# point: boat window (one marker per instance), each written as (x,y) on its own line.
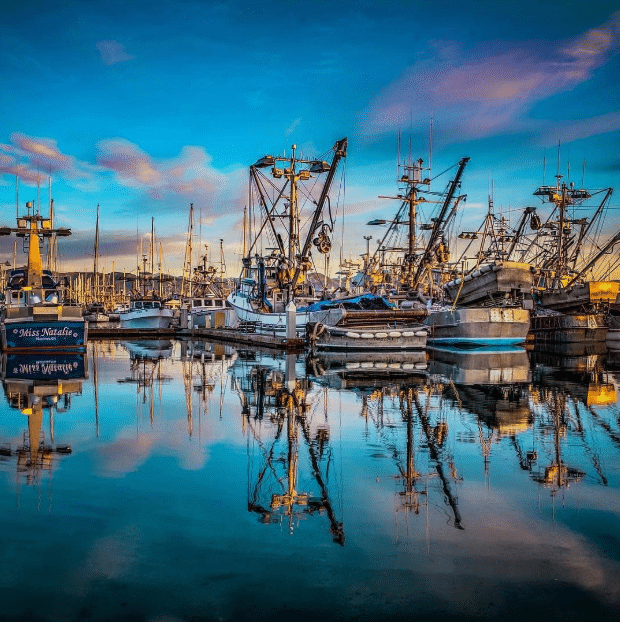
(208,303)
(138,305)
(197,302)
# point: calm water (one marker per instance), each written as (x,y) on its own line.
(169,481)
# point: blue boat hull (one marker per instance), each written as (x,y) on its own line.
(28,335)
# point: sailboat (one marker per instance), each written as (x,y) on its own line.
(34,316)
(95,310)
(147,310)
(274,277)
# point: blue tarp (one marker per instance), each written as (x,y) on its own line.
(364,302)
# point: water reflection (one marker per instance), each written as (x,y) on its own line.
(38,384)
(281,422)
(423,471)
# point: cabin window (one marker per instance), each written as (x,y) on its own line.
(208,303)
(198,302)
(138,305)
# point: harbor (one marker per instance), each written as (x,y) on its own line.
(309,311)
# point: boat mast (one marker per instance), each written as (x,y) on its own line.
(293,217)
(439,223)
(96,258)
(340,151)
(187,262)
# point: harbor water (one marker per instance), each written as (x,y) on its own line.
(171,480)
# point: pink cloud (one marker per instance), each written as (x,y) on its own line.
(134,167)
(485,92)
(33,158)
(113,52)
(189,175)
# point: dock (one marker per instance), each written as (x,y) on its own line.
(229,335)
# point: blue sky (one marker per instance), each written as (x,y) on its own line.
(146,107)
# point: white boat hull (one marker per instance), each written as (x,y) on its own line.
(368,338)
(147,319)
(266,322)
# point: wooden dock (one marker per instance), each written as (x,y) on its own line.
(229,335)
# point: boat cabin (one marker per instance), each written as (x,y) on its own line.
(18,294)
(145,304)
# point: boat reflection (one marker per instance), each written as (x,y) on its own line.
(480,366)
(34,384)
(349,370)
(289,447)
(568,386)
(205,368)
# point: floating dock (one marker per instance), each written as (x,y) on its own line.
(231,335)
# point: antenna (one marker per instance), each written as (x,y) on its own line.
(583,173)
(398,156)
(430,149)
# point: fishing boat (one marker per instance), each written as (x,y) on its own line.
(204,291)
(272,282)
(478,325)
(491,299)
(495,277)
(95,313)
(415,273)
(34,315)
(367,337)
(147,309)
(570,307)
(146,312)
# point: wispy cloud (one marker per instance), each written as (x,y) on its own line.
(189,175)
(31,158)
(293,126)
(485,92)
(113,52)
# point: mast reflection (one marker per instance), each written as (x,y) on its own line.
(569,383)
(36,383)
(282,424)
